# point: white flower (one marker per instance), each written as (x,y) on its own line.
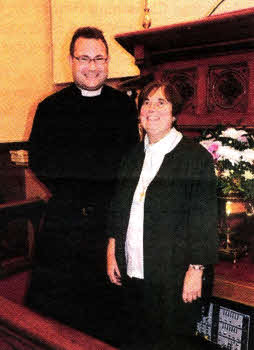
(233,133)
(240,172)
(226,173)
(248,155)
(229,153)
(248,175)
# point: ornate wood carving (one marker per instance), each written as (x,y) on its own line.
(228,88)
(185,81)
(210,60)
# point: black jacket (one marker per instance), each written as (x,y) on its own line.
(180,213)
(77,142)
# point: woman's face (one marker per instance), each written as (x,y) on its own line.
(156,115)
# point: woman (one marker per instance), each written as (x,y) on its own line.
(162,224)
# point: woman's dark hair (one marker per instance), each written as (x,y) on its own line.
(87,33)
(171,93)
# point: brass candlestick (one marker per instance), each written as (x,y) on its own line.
(147,17)
(232,221)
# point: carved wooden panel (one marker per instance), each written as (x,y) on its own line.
(228,88)
(185,81)
(210,60)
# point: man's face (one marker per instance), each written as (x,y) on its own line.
(89,75)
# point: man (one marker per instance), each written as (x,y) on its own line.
(77,141)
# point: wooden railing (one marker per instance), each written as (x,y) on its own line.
(19,221)
(23,329)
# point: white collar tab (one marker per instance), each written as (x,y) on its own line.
(89,93)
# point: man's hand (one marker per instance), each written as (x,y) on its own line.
(192,285)
(112,267)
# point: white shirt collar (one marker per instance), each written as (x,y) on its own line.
(166,144)
(89,93)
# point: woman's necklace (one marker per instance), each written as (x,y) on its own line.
(152,163)
(142,195)
(145,179)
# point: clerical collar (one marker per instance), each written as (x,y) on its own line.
(89,93)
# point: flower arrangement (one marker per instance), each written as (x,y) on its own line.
(233,154)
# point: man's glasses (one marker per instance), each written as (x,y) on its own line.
(85,60)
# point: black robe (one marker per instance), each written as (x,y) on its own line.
(76,146)
(180,219)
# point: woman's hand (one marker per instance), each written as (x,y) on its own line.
(112,267)
(192,285)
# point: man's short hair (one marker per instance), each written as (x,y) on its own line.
(87,33)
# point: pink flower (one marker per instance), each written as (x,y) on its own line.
(242,138)
(213,150)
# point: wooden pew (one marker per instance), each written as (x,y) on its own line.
(39,332)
